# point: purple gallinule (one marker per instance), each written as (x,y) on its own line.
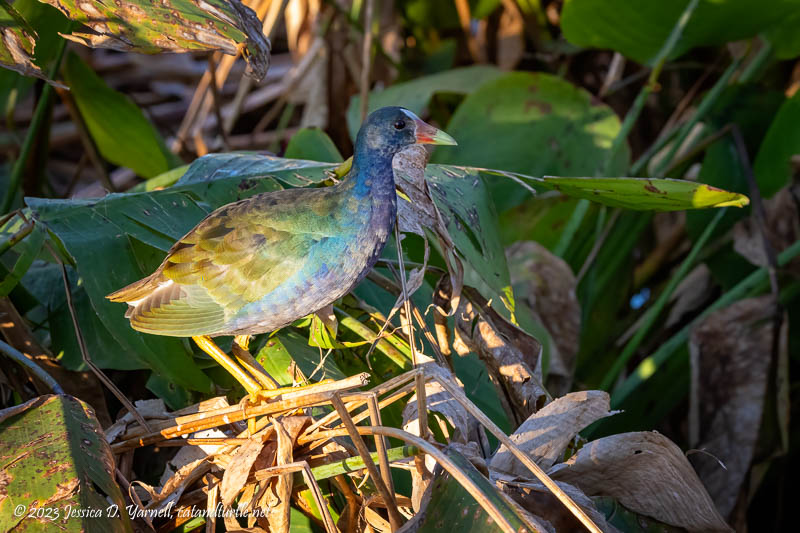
(258,264)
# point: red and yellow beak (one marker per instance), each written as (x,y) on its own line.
(427,134)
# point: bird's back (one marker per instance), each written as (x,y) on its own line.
(261,263)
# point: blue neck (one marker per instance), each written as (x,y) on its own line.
(372,173)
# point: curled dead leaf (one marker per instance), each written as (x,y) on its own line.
(647,473)
(782,220)
(512,357)
(546,283)
(731,354)
(536,499)
(546,434)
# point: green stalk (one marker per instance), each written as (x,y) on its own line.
(354,464)
(653,313)
(34,369)
(39,118)
(574,222)
(755,283)
(705,106)
(627,125)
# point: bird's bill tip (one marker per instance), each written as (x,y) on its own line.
(427,134)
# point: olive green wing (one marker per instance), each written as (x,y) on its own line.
(235,256)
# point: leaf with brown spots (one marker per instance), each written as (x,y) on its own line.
(171,26)
(53,456)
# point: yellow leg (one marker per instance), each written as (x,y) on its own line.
(241,344)
(207,345)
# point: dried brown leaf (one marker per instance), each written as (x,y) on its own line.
(237,472)
(418,210)
(537,499)
(280,494)
(512,357)
(438,400)
(782,228)
(731,354)
(647,473)
(546,283)
(690,294)
(546,434)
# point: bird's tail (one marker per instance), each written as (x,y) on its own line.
(136,290)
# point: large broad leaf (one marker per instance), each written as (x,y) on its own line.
(53,461)
(535,124)
(122,133)
(415,95)
(170,25)
(785,38)
(313,144)
(772,164)
(639,28)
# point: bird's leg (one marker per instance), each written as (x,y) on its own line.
(209,346)
(241,344)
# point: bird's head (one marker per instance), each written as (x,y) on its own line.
(390,129)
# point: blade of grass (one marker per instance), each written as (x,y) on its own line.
(33,133)
(755,283)
(627,125)
(655,311)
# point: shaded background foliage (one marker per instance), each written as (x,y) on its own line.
(688,320)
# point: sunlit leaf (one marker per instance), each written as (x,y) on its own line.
(536,124)
(56,459)
(415,95)
(122,133)
(170,25)
(646,194)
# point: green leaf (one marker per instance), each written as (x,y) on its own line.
(54,458)
(639,28)
(451,504)
(469,214)
(416,94)
(535,124)
(772,164)
(33,245)
(286,346)
(170,25)
(785,38)
(122,133)
(313,144)
(645,194)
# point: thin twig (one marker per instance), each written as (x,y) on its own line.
(598,244)
(216,101)
(366,58)
(447,464)
(526,460)
(406,302)
(380,442)
(85,352)
(395,519)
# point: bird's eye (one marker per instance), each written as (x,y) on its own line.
(400,124)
